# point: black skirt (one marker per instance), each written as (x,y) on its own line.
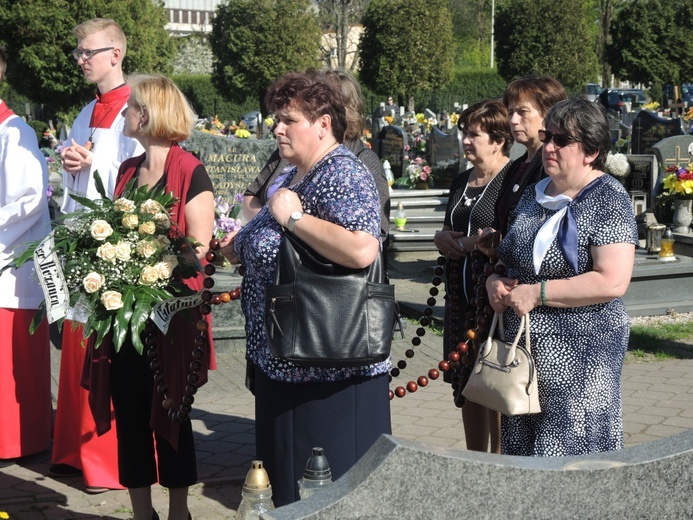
(345,418)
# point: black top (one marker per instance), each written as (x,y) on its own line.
(200,182)
(518,177)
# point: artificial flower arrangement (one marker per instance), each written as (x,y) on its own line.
(113,261)
(242,133)
(688,116)
(418,171)
(617,165)
(226,215)
(653,106)
(454,118)
(678,183)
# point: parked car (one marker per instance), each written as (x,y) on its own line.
(616,98)
(251,120)
(592,91)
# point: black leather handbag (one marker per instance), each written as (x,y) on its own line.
(322,314)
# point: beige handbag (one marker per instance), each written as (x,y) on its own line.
(504,377)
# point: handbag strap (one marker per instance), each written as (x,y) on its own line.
(524,326)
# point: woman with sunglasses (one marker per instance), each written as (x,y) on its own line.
(569,255)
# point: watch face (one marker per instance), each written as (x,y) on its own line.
(296,215)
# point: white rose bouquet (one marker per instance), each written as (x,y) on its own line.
(118,259)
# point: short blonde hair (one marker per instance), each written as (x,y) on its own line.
(170,115)
(113,31)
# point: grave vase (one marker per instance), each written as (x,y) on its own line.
(421,185)
(682,216)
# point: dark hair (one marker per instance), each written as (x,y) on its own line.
(542,91)
(491,116)
(3,61)
(311,93)
(586,121)
(347,85)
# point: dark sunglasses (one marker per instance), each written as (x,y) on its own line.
(560,140)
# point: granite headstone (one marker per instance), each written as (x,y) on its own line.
(643,174)
(446,155)
(392,143)
(648,129)
(231,163)
(671,152)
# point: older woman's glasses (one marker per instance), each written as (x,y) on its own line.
(87,54)
(559,140)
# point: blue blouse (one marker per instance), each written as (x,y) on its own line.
(343,192)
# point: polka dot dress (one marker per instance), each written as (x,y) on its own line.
(578,351)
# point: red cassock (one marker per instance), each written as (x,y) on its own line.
(75,441)
(25,385)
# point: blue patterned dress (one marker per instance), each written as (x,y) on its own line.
(578,351)
(341,193)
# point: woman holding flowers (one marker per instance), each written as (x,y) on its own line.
(159,116)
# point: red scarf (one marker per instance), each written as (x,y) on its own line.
(5,112)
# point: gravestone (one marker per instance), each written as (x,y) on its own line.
(406,479)
(231,163)
(648,129)
(643,175)
(445,155)
(392,142)
(671,152)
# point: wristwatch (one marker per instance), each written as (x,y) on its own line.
(295,217)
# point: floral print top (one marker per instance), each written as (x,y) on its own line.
(341,191)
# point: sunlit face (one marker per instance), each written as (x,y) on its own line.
(477,144)
(564,160)
(100,65)
(525,122)
(297,137)
(134,115)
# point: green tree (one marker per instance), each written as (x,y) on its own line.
(547,37)
(38,37)
(406,47)
(338,17)
(650,43)
(256,41)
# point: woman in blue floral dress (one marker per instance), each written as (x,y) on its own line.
(569,257)
(330,201)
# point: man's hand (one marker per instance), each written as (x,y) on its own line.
(76,157)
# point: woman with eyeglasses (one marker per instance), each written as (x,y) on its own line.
(568,258)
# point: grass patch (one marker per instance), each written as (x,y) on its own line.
(658,341)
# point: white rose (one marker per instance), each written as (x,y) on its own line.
(166,266)
(93,282)
(163,241)
(112,300)
(124,205)
(149,275)
(151,206)
(163,270)
(123,251)
(147,228)
(130,221)
(101,230)
(162,220)
(146,248)
(107,252)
